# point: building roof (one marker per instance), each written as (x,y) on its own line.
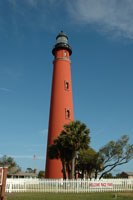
(17,172)
(128,173)
(13,170)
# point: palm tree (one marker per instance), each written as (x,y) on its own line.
(58,150)
(74,136)
(77,137)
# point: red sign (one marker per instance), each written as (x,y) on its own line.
(97,185)
(1,175)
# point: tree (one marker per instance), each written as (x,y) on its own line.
(110,156)
(87,161)
(41,174)
(109,175)
(59,150)
(74,136)
(114,154)
(77,137)
(8,161)
(29,170)
(118,175)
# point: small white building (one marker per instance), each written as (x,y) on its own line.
(16,173)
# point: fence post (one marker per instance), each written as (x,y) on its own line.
(3,187)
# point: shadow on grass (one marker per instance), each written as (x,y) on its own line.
(72,196)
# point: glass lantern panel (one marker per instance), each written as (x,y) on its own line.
(62,40)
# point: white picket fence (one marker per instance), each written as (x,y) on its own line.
(46,185)
(75,186)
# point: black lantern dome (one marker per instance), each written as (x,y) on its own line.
(62,43)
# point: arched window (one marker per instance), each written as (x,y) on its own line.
(66,83)
(67,113)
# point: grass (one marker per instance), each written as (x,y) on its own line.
(66,196)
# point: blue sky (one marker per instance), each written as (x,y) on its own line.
(101,35)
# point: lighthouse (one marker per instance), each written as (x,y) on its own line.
(61,107)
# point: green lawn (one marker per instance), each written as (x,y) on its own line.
(85,196)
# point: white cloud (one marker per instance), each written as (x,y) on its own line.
(33,14)
(113,17)
(30,2)
(110,15)
(34,3)
(35,145)
(25,157)
(98,132)
(44,131)
(5,89)
(13,2)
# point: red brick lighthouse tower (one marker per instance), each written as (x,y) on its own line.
(61,108)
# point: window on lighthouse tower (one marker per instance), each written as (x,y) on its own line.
(67,113)
(65,54)
(66,84)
